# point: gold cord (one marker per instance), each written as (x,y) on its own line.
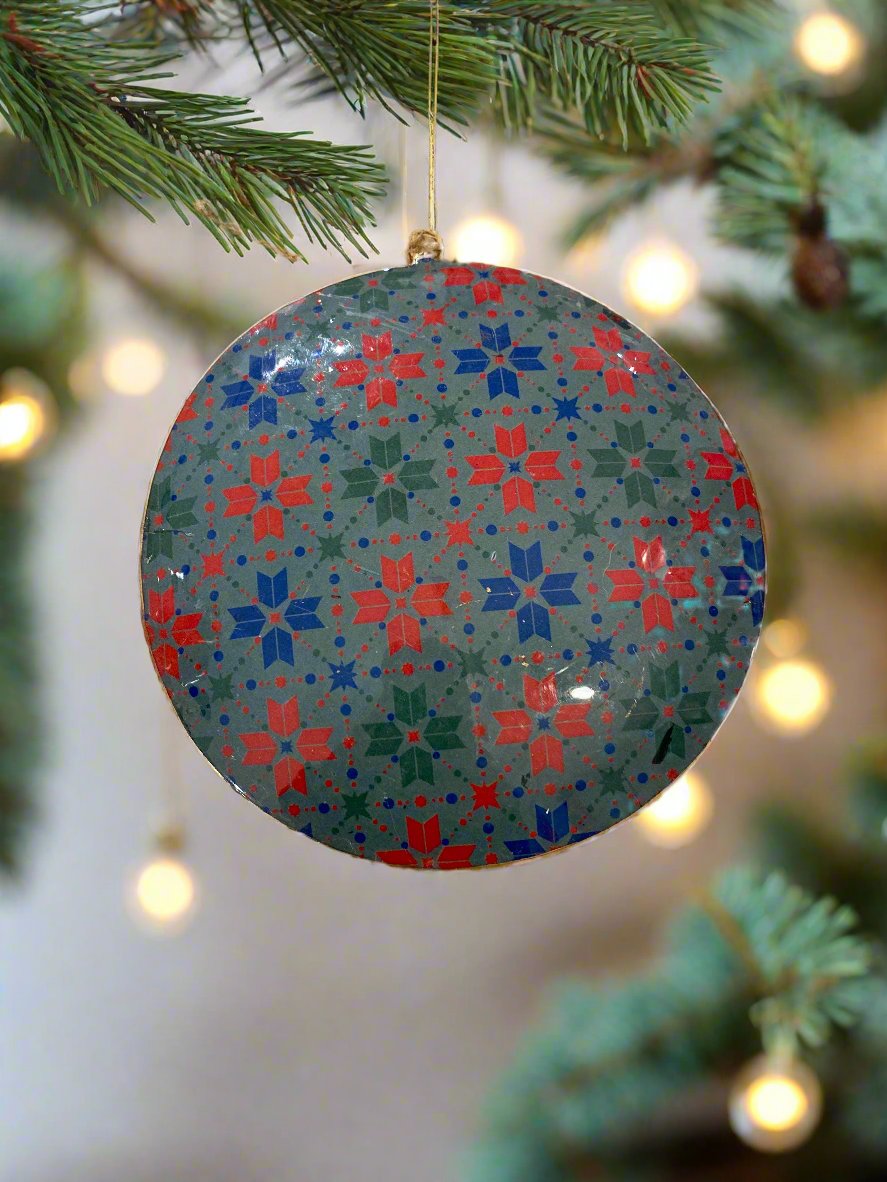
(427,243)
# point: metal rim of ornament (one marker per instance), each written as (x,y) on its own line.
(614,317)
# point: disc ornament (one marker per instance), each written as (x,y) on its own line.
(449,566)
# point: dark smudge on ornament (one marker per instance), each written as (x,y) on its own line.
(450,566)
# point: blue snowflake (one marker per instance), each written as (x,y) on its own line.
(502,378)
(263,371)
(503,594)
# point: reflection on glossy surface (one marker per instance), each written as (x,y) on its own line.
(450,566)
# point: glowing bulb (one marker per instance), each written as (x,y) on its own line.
(678,814)
(660,279)
(784,638)
(775,1104)
(487,239)
(828,44)
(165,893)
(133,367)
(791,697)
(21,425)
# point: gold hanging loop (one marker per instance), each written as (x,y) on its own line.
(427,243)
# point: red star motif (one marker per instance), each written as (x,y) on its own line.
(383,388)
(484,289)
(629,584)
(268,519)
(623,363)
(374,606)
(184,632)
(720,467)
(569,720)
(485,796)
(700,521)
(312,744)
(517,491)
(458,532)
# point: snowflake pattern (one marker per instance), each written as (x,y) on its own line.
(450,566)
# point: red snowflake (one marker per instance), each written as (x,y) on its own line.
(517,490)
(388,369)
(184,631)
(619,365)
(644,584)
(376,605)
(546,749)
(268,518)
(311,744)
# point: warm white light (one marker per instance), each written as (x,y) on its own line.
(487,239)
(22,423)
(133,367)
(784,638)
(84,379)
(678,814)
(775,1106)
(165,893)
(660,279)
(792,696)
(828,44)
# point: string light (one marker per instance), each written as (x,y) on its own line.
(487,239)
(829,44)
(792,696)
(775,1104)
(133,367)
(25,403)
(164,893)
(678,814)
(660,279)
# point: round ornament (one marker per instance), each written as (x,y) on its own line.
(448,566)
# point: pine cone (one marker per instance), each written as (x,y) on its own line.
(820,268)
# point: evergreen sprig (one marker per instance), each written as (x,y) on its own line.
(606,1059)
(618,67)
(88,108)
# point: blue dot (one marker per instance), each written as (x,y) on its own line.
(340,642)
(218,656)
(323,807)
(224,719)
(689,645)
(345,709)
(192,689)
(491,530)
(616,522)
(518,792)
(632,649)
(553,526)
(251,684)
(505,660)
(387,803)
(359,837)
(241,560)
(581,785)
(468,629)
(439,666)
(610,748)
(712,611)
(489,827)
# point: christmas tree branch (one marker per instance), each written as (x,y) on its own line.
(617,66)
(196,152)
(608,1056)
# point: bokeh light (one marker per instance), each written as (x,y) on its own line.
(829,44)
(678,814)
(133,367)
(165,893)
(775,1106)
(487,239)
(660,278)
(791,697)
